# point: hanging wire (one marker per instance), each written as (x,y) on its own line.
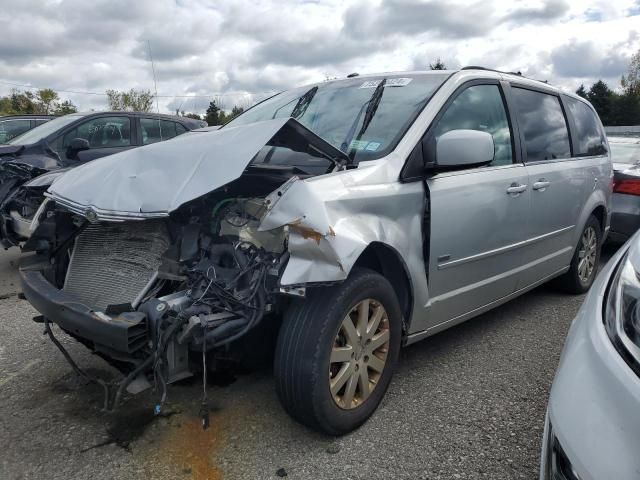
(79,92)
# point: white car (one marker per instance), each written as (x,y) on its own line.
(592,427)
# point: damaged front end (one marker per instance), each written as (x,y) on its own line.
(161,281)
(17,203)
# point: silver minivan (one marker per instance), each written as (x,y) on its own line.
(345,219)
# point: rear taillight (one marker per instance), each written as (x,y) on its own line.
(628,186)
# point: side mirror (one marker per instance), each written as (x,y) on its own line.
(77,145)
(462,148)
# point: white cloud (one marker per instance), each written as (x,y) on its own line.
(241,50)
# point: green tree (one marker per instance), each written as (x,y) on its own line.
(131,101)
(212,115)
(22,102)
(631,81)
(581,91)
(65,108)
(602,99)
(438,65)
(625,110)
(235,111)
(195,116)
(46,101)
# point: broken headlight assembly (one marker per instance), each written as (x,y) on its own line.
(622,313)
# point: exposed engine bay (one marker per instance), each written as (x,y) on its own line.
(166,297)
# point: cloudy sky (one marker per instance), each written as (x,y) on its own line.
(242,50)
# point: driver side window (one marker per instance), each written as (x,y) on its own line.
(480,107)
(102,132)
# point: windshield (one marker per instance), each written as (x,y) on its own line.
(44,130)
(335,110)
(625,152)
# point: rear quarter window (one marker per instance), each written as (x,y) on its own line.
(542,120)
(589,136)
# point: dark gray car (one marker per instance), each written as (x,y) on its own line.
(625,202)
(31,161)
(13,125)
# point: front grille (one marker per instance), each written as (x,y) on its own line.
(111,264)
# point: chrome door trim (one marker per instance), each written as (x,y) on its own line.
(507,248)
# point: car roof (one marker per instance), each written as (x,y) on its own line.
(210,128)
(191,122)
(481,72)
(26,115)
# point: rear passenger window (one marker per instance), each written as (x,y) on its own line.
(540,116)
(480,107)
(155,130)
(590,139)
(10,129)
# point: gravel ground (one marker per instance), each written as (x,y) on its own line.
(468,403)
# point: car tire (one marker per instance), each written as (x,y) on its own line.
(586,255)
(326,359)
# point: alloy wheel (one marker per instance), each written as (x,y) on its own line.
(587,254)
(359,354)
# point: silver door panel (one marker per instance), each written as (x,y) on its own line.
(477,233)
(556,206)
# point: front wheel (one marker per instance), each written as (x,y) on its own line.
(584,264)
(337,351)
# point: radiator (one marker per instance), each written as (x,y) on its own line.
(113,263)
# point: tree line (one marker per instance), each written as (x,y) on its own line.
(47,102)
(617,108)
(43,102)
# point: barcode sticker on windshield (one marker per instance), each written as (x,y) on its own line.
(398,82)
(391,82)
(358,145)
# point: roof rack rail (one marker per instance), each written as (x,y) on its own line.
(475,67)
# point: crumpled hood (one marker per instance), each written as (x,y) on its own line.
(38,156)
(10,149)
(159,178)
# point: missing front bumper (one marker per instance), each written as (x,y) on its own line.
(125,333)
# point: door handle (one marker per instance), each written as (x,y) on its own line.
(541,184)
(516,188)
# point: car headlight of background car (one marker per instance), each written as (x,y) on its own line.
(622,312)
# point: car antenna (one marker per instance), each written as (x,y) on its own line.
(153,70)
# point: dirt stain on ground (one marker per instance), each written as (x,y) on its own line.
(186,448)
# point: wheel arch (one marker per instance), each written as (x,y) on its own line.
(595,205)
(600,212)
(385,260)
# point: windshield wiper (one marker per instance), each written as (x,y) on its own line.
(303,103)
(372,107)
(305,98)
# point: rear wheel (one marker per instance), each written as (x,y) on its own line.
(337,351)
(584,264)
